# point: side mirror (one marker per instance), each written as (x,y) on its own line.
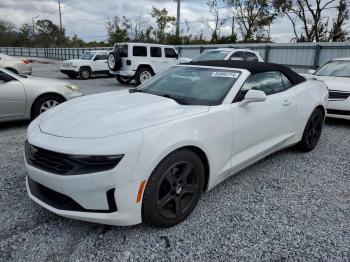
(311,71)
(253,96)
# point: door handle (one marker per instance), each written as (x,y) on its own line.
(286,102)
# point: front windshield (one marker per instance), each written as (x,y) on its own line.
(335,68)
(192,85)
(211,55)
(87,56)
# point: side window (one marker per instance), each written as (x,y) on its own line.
(5,77)
(268,82)
(237,56)
(287,84)
(170,53)
(102,56)
(249,56)
(156,52)
(139,51)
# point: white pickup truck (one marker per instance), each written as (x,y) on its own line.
(90,63)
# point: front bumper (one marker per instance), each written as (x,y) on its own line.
(129,73)
(90,193)
(68,71)
(339,109)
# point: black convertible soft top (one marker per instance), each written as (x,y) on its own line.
(253,68)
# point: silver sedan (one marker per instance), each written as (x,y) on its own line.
(25,97)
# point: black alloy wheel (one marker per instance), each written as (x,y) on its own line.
(173,190)
(312,132)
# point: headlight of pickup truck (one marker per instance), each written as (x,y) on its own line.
(73,88)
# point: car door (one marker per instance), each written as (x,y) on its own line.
(100,62)
(156,58)
(12,97)
(261,127)
(170,58)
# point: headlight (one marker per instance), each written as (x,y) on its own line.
(73,88)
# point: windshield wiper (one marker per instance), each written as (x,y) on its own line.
(178,100)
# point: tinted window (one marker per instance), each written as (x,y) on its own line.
(87,56)
(287,84)
(251,57)
(211,55)
(101,57)
(170,53)
(194,85)
(335,68)
(139,51)
(122,50)
(238,56)
(5,77)
(156,52)
(268,82)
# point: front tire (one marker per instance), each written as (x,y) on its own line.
(85,73)
(312,131)
(44,103)
(173,189)
(142,75)
(124,80)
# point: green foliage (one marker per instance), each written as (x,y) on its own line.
(164,21)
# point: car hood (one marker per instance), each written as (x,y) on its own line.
(112,113)
(35,80)
(74,61)
(334,83)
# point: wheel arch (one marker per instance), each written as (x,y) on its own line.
(85,66)
(11,69)
(323,109)
(43,95)
(146,66)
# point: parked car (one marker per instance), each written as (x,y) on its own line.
(25,97)
(141,61)
(148,154)
(90,63)
(15,65)
(335,73)
(229,54)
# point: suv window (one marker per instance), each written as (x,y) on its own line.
(268,82)
(102,56)
(139,51)
(156,51)
(249,56)
(122,50)
(170,53)
(237,56)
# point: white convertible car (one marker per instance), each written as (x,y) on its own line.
(147,155)
(335,74)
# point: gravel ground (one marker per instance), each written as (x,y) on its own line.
(289,207)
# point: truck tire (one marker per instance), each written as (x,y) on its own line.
(114,61)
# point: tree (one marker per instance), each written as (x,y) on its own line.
(218,23)
(49,34)
(163,22)
(315,24)
(117,29)
(252,16)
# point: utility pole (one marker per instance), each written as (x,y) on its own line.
(178,18)
(233,26)
(59,10)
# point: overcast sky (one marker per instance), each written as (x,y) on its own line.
(87,18)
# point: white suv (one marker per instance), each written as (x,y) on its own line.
(141,61)
(229,54)
(90,63)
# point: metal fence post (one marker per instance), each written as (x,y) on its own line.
(267,52)
(316,56)
(179,51)
(201,48)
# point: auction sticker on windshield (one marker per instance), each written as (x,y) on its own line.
(225,74)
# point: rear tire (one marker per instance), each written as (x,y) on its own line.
(85,73)
(44,103)
(312,131)
(173,189)
(124,80)
(142,75)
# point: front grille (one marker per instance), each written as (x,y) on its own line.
(48,160)
(63,202)
(338,95)
(64,164)
(338,112)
